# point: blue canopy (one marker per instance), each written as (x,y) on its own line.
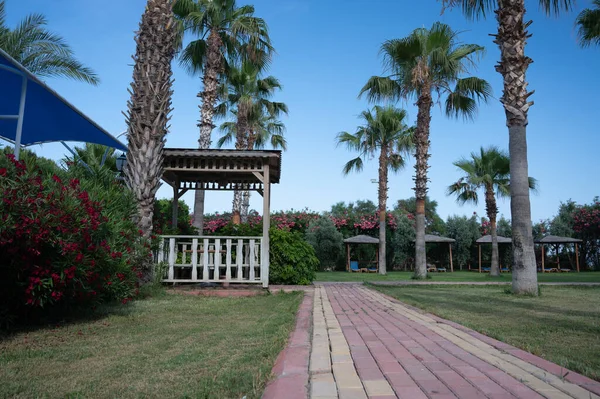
(28,106)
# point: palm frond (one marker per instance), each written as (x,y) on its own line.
(380,88)
(355,164)
(588,25)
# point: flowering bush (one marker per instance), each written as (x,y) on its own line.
(66,239)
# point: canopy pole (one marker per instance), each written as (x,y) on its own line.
(20,118)
(479,258)
(577,256)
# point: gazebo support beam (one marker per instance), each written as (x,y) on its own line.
(451,264)
(479,258)
(266,226)
(577,256)
(347,257)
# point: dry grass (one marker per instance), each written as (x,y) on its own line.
(161,347)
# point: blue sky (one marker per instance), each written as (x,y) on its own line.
(326,52)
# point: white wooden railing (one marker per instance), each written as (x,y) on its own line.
(193,259)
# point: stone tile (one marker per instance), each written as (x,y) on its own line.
(322,385)
(352,393)
(378,387)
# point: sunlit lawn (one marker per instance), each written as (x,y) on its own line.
(167,346)
(456,276)
(562,325)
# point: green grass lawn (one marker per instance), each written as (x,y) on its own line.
(162,347)
(456,276)
(562,325)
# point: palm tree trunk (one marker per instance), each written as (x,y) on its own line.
(422,142)
(240,144)
(210,80)
(246,195)
(511,38)
(149,109)
(383,176)
(492,213)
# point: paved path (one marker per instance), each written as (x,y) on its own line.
(429,282)
(365,345)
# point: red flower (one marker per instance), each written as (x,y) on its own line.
(2,171)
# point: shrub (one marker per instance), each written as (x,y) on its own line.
(292,260)
(66,238)
(326,240)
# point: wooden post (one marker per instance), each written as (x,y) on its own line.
(195,259)
(451,264)
(347,257)
(557,257)
(172,258)
(175,206)
(479,258)
(577,256)
(543,250)
(266,224)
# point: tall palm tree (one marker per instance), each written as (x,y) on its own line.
(42,52)
(385,131)
(488,171)
(149,108)
(224,30)
(588,25)
(249,94)
(511,38)
(425,62)
(263,130)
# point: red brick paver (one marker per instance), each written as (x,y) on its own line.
(422,357)
(291,367)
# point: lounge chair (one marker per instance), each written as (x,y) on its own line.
(354,266)
(441,270)
(373,269)
(505,270)
(485,269)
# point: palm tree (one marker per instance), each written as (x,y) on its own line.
(489,170)
(384,131)
(224,31)
(249,95)
(511,38)
(588,25)
(42,52)
(149,108)
(262,130)
(425,62)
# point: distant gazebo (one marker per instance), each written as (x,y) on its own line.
(487,239)
(358,240)
(556,241)
(432,238)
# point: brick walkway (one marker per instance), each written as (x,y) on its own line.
(365,345)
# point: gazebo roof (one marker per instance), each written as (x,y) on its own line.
(557,240)
(438,239)
(488,240)
(211,169)
(361,239)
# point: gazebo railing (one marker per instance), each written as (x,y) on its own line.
(193,259)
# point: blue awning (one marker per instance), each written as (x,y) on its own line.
(46,116)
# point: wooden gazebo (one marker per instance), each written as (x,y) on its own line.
(487,239)
(432,238)
(211,258)
(357,240)
(556,241)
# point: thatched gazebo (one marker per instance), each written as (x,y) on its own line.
(487,239)
(360,239)
(431,238)
(556,241)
